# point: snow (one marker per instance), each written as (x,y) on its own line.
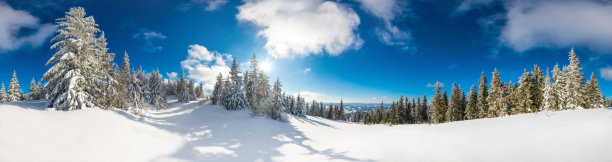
(194,132)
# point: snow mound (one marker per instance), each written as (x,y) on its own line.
(194,132)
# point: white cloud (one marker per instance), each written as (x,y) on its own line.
(432,85)
(13,21)
(606,73)
(204,65)
(468,5)
(151,39)
(172,75)
(303,27)
(310,95)
(208,5)
(558,24)
(531,24)
(387,10)
(306,70)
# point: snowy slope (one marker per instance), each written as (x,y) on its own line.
(193,132)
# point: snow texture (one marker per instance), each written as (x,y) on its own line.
(205,132)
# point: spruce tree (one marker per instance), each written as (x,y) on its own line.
(183,92)
(157,93)
(14,92)
(535,89)
(3,94)
(436,113)
(483,92)
(494,95)
(81,64)
(574,83)
(424,115)
(547,103)
(472,104)
(34,94)
(558,86)
(593,94)
(453,112)
(216,93)
(524,93)
(277,99)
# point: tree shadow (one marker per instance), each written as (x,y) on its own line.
(35,105)
(212,133)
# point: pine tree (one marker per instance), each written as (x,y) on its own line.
(3,95)
(453,112)
(80,65)
(535,89)
(341,111)
(494,95)
(157,93)
(436,113)
(483,105)
(216,93)
(252,82)
(183,92)
(277,99)
(14,92)
(593,94)
(330,112)
(472,104)
(425,117)
(574,83)
(547,104)
(558,87)
(34,94)
(524,93)
(238,99)
(191,90)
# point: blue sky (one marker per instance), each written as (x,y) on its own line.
(357,50)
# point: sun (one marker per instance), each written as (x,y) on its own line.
(266,66)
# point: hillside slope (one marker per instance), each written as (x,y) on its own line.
(193,132)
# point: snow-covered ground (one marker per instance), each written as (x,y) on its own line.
(193,132)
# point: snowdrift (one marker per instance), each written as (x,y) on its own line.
(194,132)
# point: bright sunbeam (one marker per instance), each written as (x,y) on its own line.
(267,66)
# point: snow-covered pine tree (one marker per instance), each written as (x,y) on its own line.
(183,92)
(483,92)
(277,99)
(535,89)
(593,94)
(495,89)
(200,91)
(14,92)
(436,114)
(191,89)
(424,110)
(157,93)
(3,95)
(216,93)
(251,86)
(547,103)
(524,93)
(262,93)
(80,64)
(301,107)
(237,99)
(42,93)
(453,112)
(136,100)
(471,108)
(34,94)
(226,92)
(340,111)
(558,89)
(574,83)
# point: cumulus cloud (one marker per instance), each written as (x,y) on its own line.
(13,21)
(308,95)
(306,70)
(433,85)
(606,73)
(531,24)
(208,5)
(203,65)
(303,27)
(387,11)
(150,38)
